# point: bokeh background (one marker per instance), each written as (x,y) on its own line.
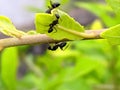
(82,65)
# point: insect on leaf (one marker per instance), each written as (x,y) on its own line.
(68,24)
(42,21)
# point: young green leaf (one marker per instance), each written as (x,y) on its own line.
(7,28)
(112,35)
(67,27)
(115,4)
(9,65)
(42,21)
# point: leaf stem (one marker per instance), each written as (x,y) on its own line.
(80,34)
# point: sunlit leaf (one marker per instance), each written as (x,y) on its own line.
(9,65)
(7,28)
(96,25)
(42,22)
(69,25)
(112,35)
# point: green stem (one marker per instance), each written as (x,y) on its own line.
(29,62)
(115,53)
(80,34)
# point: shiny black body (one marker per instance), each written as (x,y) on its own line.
(60,45)
(53,48)
(53,23)
(53,5)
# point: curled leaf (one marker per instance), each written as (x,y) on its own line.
(67,27)
(7,28)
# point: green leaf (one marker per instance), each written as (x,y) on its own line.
(42,21)
(7,28)
(97,24)
(112,35)
(67,28)
(9,65)
(83,67)
(115,4)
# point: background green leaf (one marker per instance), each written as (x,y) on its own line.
(43,20)
(102,11)
(9,65)
(115,4)
(75,85)
(112,35)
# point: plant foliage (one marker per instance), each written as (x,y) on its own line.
(7,28)
(69,25)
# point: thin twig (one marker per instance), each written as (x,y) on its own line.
(40,39)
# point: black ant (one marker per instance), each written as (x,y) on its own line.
(53,5)
(53,23)
(60,45)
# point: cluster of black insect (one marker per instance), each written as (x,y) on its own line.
(53,23)
(57,45)
(51,7)
(51,26)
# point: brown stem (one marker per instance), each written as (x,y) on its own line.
(40,38)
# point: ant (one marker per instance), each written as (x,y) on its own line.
(53,5)
(53,23)
(60,45)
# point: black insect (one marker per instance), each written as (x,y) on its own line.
(53,5)
(53,23)
(60,45)
(53,48)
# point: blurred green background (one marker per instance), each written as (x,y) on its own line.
(83,65)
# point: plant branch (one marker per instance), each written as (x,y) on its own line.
(42,38)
